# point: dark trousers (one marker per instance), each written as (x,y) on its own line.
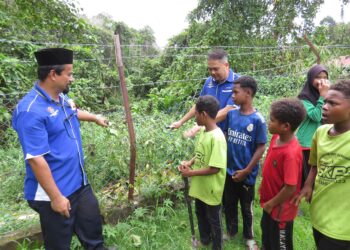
(276,235)
(234,192)
(306,166)
(323,242)
(85,221)
(209,224)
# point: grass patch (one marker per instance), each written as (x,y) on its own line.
(167,227)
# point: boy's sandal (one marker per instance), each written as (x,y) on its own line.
(196,243)
(251,245)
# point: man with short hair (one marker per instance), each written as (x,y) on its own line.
(56,185)
(219,85)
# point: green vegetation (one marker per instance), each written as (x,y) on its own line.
(162,85)
(167,227)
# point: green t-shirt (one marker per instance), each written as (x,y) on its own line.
(311,122)
(211,151)
(330,203)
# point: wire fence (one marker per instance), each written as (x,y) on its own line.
(106,153)
(138,53)
(8,41)
(158,148)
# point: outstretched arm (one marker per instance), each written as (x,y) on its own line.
(223,113)
(89,117)
(184,119)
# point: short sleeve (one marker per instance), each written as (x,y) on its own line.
(313,151)
(32,134)
(291,167)
(204,89)
(218,156)
(261,131)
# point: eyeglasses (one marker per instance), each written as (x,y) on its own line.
(68,126)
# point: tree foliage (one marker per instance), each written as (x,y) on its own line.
(244,21)
(329,32)
(252,23)
(262,39)
(247,30)
(27,26)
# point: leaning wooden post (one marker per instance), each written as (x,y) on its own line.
(119,61)
(313,49)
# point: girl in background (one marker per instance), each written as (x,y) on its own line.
(312,95)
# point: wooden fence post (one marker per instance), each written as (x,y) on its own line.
(119,61)
(313,49)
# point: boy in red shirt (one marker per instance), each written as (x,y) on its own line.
(281,175)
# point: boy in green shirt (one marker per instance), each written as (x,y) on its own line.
(330,172)
(208,170)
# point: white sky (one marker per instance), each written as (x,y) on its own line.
(332,8)
(168,17)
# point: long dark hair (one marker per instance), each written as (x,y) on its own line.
(309,92)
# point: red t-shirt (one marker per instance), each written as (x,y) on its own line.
(283,165)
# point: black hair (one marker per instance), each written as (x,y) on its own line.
(208,104)
(43,71)
(309,92)
(342,86)
(218,54)
(288,110)
(247,82)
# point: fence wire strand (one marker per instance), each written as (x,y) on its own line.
(156,145)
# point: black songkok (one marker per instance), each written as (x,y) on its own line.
(54,56)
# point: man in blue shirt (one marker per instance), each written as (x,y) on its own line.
(56,186)
(219,85)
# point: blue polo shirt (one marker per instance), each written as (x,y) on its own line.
(244,134)
(50,129)
(222,91)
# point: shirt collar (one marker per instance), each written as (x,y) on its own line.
(43,93)
(228,79)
